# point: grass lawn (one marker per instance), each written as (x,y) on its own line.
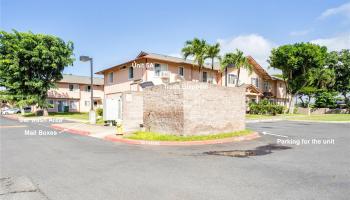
(140,135)
(279,116)
(324,117)
(71,115)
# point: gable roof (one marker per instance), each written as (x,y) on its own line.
(178,60)
(69,78)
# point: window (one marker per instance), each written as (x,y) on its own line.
(71,87)
(131,72)
(181,71)
(110,77)
(87,103)
(266,86)
(51,103)
(88,88)
(73,105)
(232,78)
(158,68)
(204,76)
(255,82)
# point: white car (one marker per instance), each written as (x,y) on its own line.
(11,111)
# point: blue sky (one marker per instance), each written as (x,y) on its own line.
(115,31)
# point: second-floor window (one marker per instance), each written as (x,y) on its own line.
(266,86)
(110,77)
(73,87)
(204,76)
(158,68)
(232,78)
(255,82)
(131,73)
(181,71)
(88,88)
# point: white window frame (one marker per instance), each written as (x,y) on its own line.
(206,76)
(72,102)
(183,71)
(130,69)
(71,89)
(266,86)
(109,76)
(163,67)
(257,82)
(86,88)
(232,77)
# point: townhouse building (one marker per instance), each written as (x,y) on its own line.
(73,94)
(149,69)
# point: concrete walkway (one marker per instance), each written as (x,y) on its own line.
(97,131)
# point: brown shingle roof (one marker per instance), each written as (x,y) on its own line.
(69,78)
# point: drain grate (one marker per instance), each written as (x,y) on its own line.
(258,151)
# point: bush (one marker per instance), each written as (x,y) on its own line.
(264,107)
(325,99)
(99,111)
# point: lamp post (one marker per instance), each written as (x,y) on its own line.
(92,114)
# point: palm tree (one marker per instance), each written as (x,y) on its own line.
(212,52)
(236,60)
(197,49)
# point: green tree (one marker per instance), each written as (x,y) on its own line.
(236,60)
(198,49)
(212,52)
(30,64)
(340,62)
(296,62)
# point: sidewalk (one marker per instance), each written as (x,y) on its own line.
(86,129)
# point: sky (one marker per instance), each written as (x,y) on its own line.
(113,32)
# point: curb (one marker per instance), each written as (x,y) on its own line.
(13,117)
(70,130)
(263,120)
(251,136)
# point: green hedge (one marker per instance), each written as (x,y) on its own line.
(99,111)
(264,107)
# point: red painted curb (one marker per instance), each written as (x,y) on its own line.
(70,130)
(114,138)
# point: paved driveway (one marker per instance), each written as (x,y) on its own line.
(68,166)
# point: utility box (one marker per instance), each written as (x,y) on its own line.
(112,109)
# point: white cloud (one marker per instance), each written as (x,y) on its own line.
(335,43)
(299,33)
(340,10)
(253,44)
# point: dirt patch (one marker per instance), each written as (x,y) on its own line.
(258,151)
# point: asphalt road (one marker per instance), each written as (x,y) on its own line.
(66,166)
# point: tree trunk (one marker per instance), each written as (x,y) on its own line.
(239,71)
(291,105)
(45,112)
(22,110)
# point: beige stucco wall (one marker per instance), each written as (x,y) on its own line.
(121,83)
(190,108)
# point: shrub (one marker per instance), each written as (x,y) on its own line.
(99,111)
(325,99)
(264,107)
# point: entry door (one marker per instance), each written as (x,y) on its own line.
(60,106)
